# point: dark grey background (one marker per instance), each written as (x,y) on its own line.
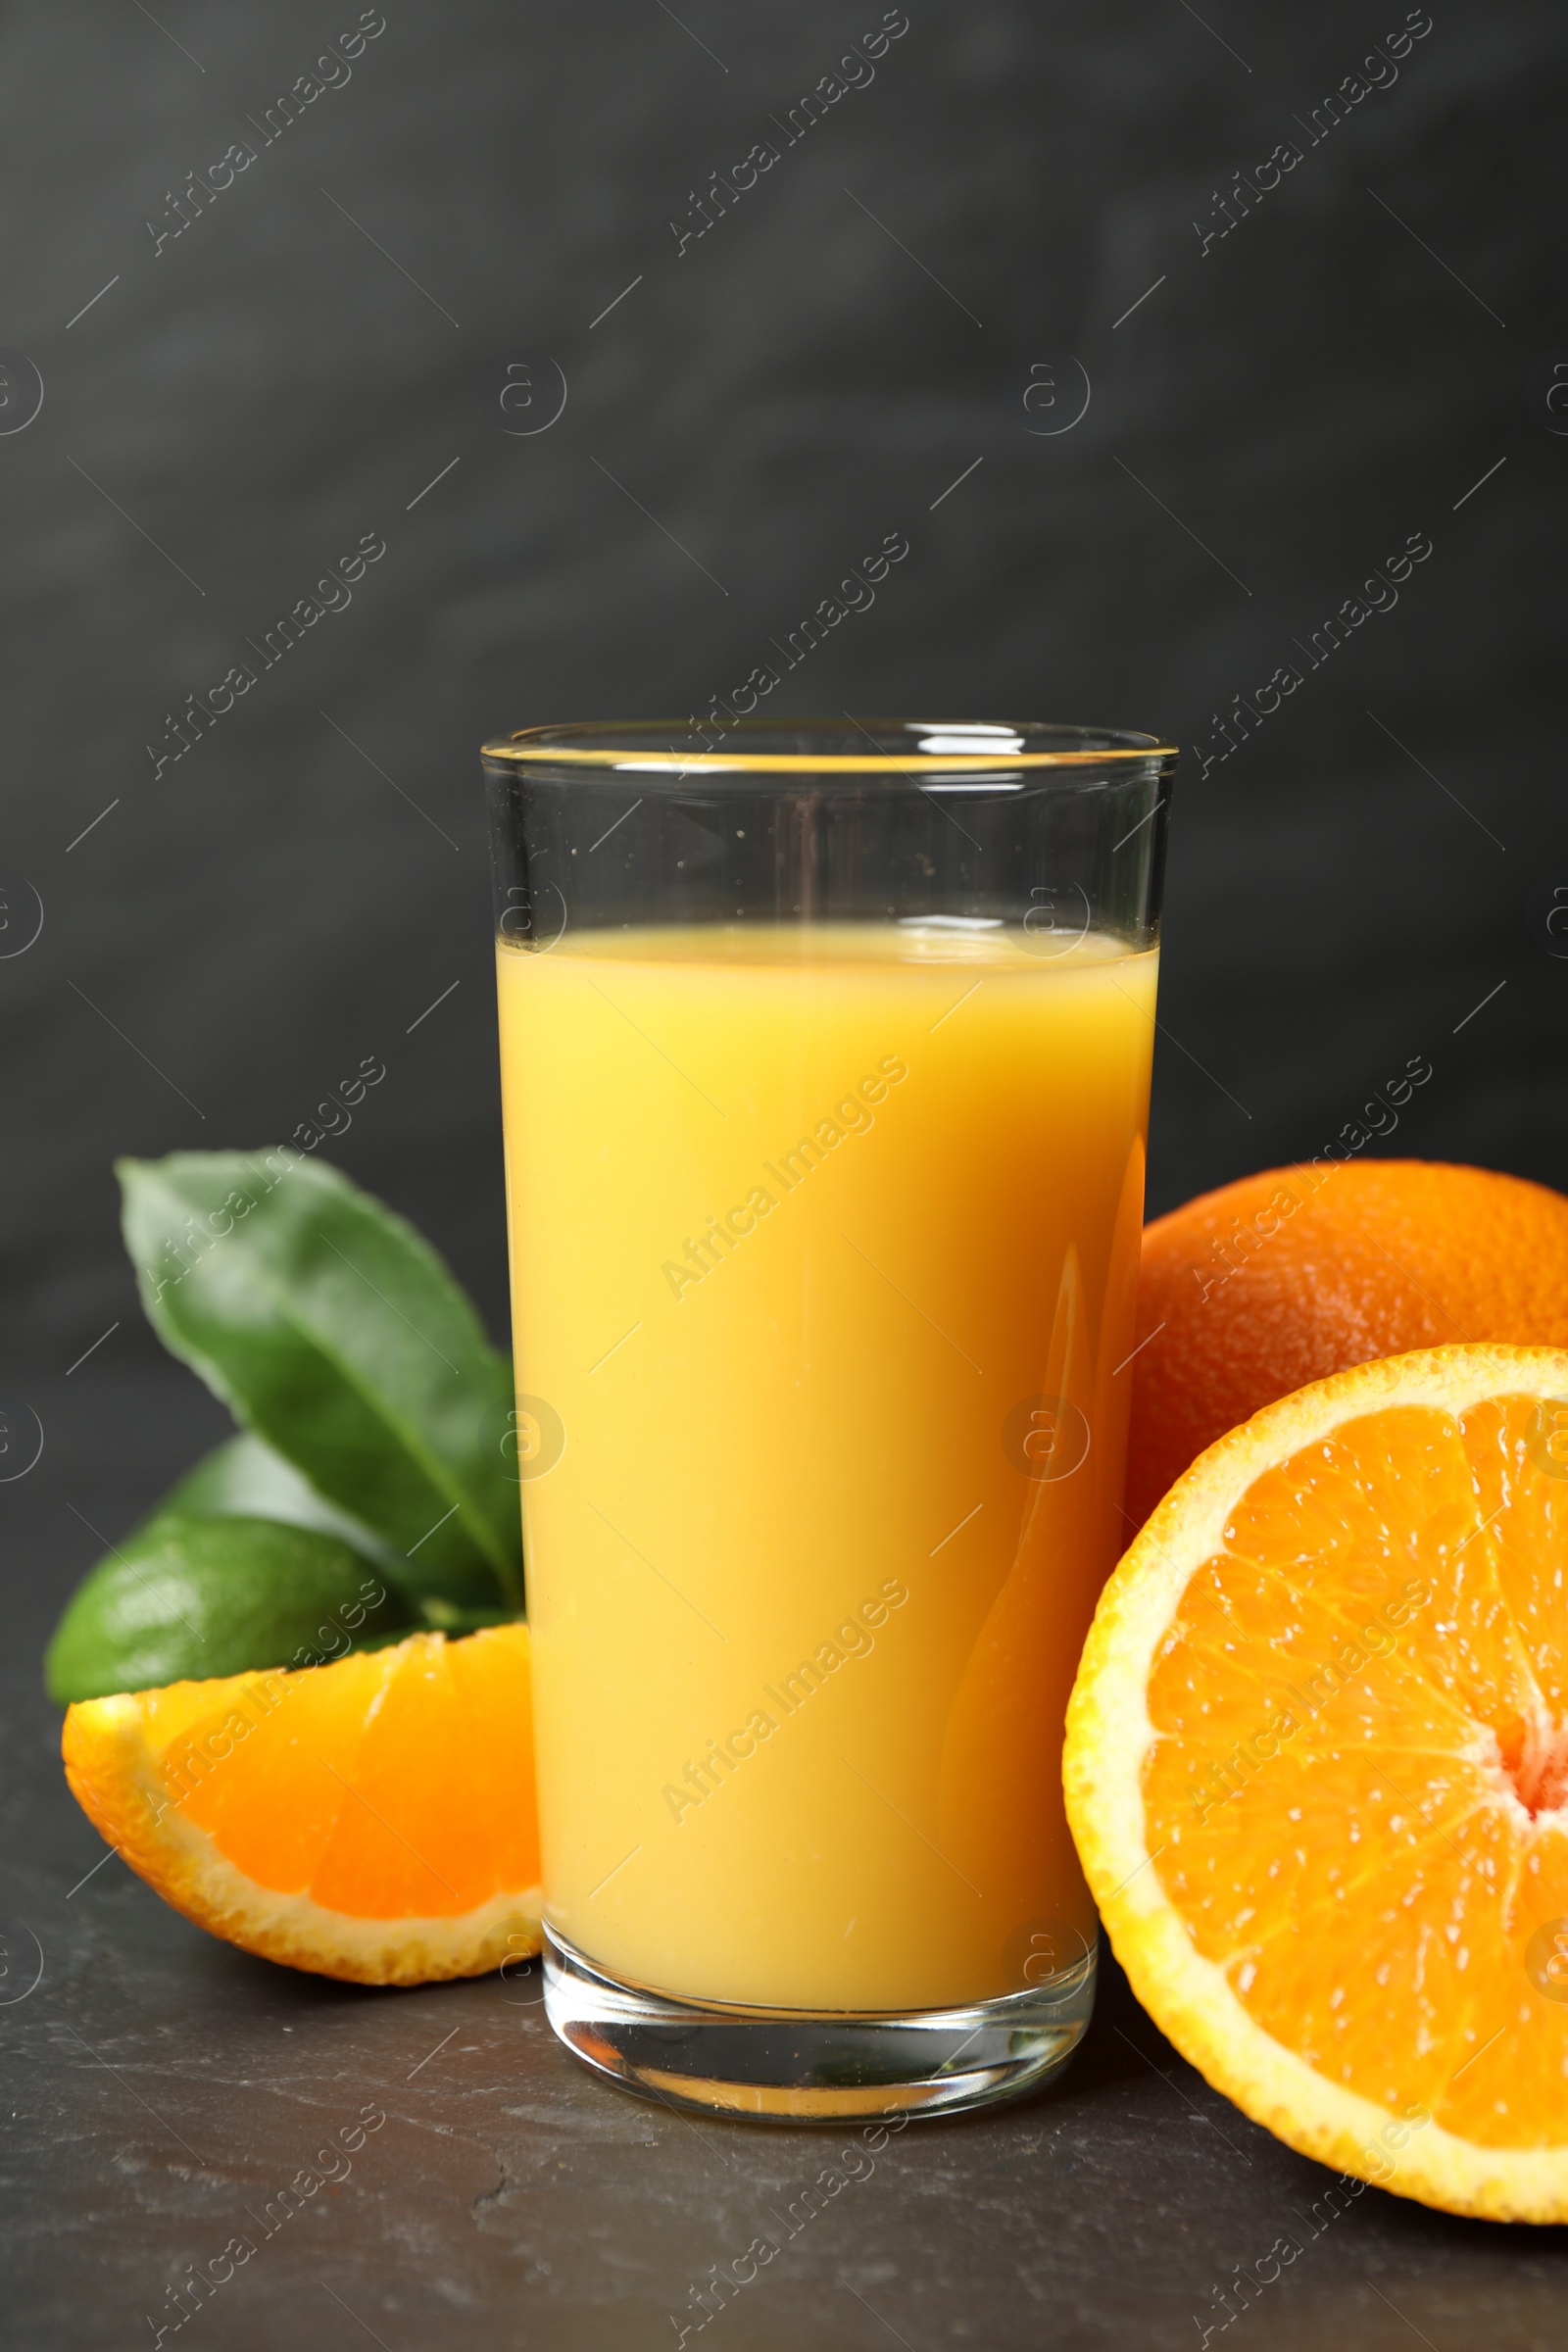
(271,385)
(236,409)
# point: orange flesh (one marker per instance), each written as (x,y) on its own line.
(1371,1871)
(396,1784)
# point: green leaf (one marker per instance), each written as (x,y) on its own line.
(185,1600)
(442,1618)
(332,1330)
(243,1477)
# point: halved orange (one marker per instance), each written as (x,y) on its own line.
(1317,1765)
(373,1819)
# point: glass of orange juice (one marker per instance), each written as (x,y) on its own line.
(824,1054)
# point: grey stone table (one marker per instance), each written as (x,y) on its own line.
(161,2091)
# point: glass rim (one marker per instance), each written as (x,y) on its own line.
(944,746)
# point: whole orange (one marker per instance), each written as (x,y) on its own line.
(1249,1292)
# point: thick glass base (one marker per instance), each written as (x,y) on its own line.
(815,2065)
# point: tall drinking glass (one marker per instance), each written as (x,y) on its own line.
(824,1054)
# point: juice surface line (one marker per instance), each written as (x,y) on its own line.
(825,1247)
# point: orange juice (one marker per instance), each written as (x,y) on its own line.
(825,1247)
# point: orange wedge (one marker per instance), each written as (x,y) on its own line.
(1317,1765)
(373,1819)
